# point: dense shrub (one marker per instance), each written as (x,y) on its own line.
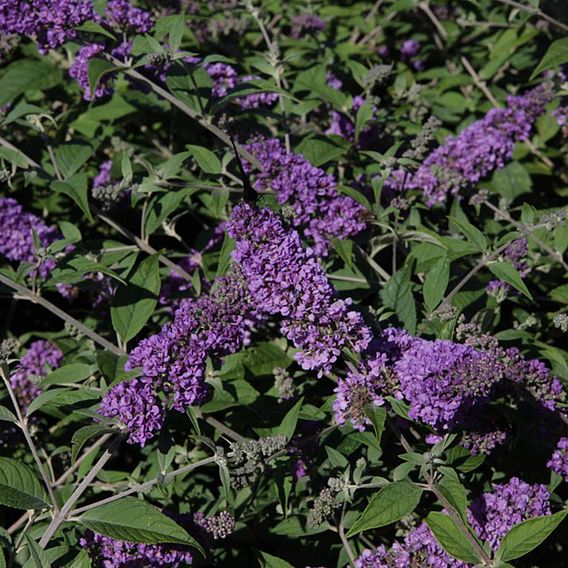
(283,283)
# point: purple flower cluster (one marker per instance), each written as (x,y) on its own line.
(106,552)
(104,175)
(79,70)
(224,77)
(419,548)
(448,385)
(479,149)
(16,237)
(559,460)
(50,22)
(286,280)
(123,16)
(255,100)
(492,515)
(41,357)
(318,210)
(172,362)
(304,24)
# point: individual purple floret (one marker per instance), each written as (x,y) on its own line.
(122,15)
(104,175)
(361,389)
(80,71)
(50,22)
(256,100)
(410,48)
(224,78)
(106,552)
(172,362)
(442,379)
(478,150)
(559,460)
(319,212)
(305,24)
(286,280)
(16,236)
(492,514)
(41,357)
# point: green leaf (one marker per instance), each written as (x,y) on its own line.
(288,424)
(133,304)
(19,486)
(98,68)
(205,159)
(177,29)
(38,556)
(436,282)
(364,115)
(76,188)
(83,435)
(73,373)
(390,504)
(7,415)
(319,150)
(263,358)
(44,398)
(456,494)
(556,55)
(26,75)
(225,255)
(269,561)
(134,520)
(71,156)
(163,206)
(472,234)
(512,181)
(94,28)
(397,295)
(82,560)
(526,536)
(344,248)
(508,273)
(452,540)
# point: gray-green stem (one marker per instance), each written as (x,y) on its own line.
(76,495)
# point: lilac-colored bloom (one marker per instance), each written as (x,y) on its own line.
(50,22)
(41,357)
(559,460)
(256,100)
(224,78)
(104,175)
(110,553)
(320,213)
(304,24)
(16,237)
(286,280)
(122,15)
(172,362)
(410,48)
(344,125)
(492,515)
(479,149)
(80,71)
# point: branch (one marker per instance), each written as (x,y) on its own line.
(145,486)
(75,496)
(35,298)
(183,107)
(23,423)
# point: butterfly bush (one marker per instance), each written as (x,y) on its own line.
(50,22)
(286,280)
(172,362)
(479,149)
(273,319)
(318,210)
(17,235)
(40,357)
(491,516)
